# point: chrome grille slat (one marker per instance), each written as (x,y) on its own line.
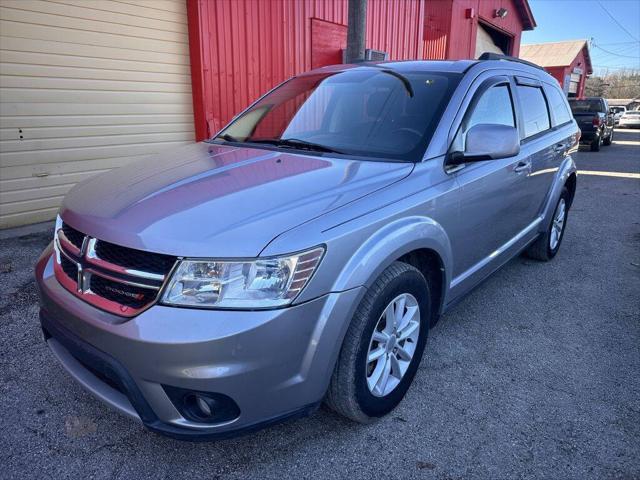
(111,286)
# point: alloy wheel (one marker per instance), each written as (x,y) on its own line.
(393,344)
(557,225)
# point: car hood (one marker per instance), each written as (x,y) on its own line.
(207,200)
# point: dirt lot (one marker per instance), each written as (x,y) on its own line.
(534,375)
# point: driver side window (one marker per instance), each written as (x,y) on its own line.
(494,107)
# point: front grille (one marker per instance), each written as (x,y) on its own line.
(128,295)
(73,235)
(108,272)
(69,268)
(135,259)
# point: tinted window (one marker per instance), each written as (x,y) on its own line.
(534,110)
(558,105)
(494,106)
(370,112)
(589,105)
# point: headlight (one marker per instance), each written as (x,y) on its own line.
(260,283)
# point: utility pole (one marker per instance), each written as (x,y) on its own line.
(357,24)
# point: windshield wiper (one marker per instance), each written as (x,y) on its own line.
(228,138)
(296,143)
(405,81)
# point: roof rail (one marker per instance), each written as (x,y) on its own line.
(497,56)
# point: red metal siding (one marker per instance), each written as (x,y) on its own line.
(437,28)
(396,27)
(242,48)
(451,34)
(559,73)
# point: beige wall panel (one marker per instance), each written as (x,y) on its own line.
(86,86)
(18,122)
(90,52)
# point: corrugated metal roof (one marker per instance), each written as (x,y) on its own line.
(553,54)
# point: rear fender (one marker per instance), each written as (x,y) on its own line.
(567,168)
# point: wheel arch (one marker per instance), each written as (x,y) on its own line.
(418,241)
(566,176)
(571,184)
(430,264)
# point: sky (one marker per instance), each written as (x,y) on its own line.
(612,47)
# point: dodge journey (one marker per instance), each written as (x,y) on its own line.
(303,253)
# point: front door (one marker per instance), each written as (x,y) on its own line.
(493,204)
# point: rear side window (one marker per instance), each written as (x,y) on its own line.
(558,106)
(534,110)
(495,107)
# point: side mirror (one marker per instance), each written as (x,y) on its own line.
(488,142)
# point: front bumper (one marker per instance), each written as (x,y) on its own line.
(274,364)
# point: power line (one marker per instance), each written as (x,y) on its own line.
(637,57)
(617,22)
(621,43)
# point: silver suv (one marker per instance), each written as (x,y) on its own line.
(303,254)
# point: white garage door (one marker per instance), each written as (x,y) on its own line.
(85,86)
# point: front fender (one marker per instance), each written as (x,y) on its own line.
(389,243)
(567,168)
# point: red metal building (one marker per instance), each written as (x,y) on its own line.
(568,62)
(242,48)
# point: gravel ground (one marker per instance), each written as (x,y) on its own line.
(535,375)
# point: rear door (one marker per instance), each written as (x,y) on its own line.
(542,147)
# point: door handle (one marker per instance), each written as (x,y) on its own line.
(559,147)
(522,167)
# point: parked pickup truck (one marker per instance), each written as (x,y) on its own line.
(595,120)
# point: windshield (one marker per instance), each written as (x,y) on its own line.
(370,112)
(632,114)
(578,106)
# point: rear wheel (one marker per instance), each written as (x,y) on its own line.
(607,141)
(383,345)
(596,144)
(547,245)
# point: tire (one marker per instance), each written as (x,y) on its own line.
(607,141)
(596,144)
(544,248)
(349,393)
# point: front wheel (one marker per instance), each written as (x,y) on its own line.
(546,246)
(383,345)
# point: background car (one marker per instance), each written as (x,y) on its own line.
(630,119)
(594,119)
(617,113)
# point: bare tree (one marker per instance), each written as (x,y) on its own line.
(621,84)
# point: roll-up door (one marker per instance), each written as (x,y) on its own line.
(86,86)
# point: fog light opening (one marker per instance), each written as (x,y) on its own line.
(204,406)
